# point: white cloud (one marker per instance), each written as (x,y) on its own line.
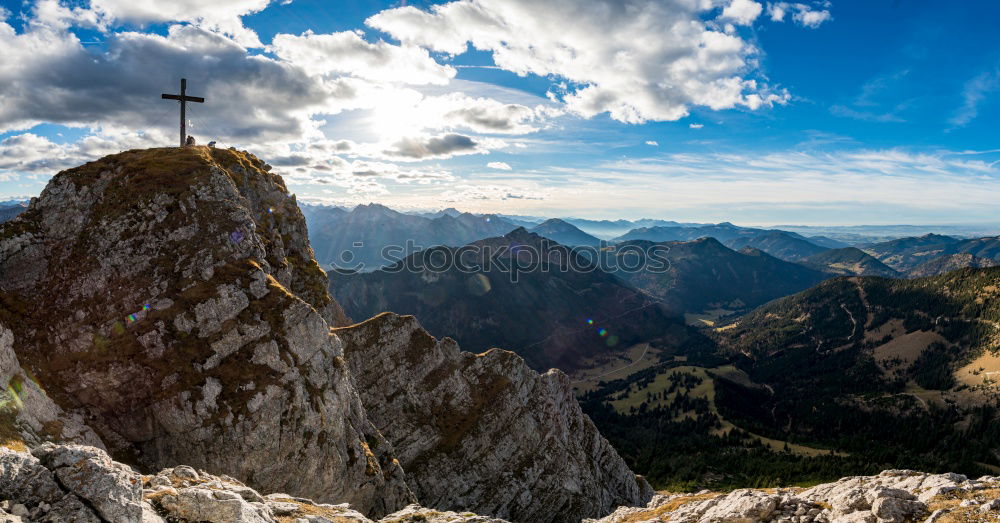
(696,125)
(638,61)
(654,143)
(973,94)
(32,154)
(458,111)
(742,12)
(503,166)
(217,15)
(48,76)
(811,16)
(347,52)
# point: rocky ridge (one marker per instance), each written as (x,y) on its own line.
(479,431)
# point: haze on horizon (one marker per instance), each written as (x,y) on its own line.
(758,113)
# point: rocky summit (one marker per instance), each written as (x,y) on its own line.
(164,306)
(170,299)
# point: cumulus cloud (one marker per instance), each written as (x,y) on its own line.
(460,112)
(223,16)
(503,166)
(347,52)
(654,143)
(47,76)
(638,60)
(811,16)
(742,12)
(33,154)
(696,125)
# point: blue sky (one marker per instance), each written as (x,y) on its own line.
(819,112)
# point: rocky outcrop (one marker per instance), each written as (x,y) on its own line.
(74,483)
(894,496)
(483,432)
(28,416)
(170,298)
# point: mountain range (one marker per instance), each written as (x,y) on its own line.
(551,305)
(372,236)
(10,209)
(905,254)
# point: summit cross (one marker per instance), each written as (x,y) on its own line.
(183,98)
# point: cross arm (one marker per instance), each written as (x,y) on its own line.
(182,98)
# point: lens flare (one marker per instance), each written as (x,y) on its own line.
(602,332)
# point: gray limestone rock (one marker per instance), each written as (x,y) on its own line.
(484,432)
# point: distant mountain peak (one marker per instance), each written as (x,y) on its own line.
(522,235)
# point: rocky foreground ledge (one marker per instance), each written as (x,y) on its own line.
(78,483)
(894,496)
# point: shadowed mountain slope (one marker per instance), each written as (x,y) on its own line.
(520,292)
(849,261)
(950,262)
(564,233)
(702,275)
(780,244)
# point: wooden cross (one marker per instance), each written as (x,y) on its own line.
(183,98)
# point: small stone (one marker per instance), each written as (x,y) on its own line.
(19,510)
(991,505)
(186,472)
(282,508)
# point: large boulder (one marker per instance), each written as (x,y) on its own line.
(484,432)
(170,298)
(72,483)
